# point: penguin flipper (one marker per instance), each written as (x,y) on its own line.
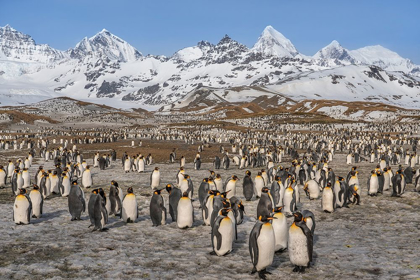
(253,246)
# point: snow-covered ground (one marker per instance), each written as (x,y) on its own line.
(376,240)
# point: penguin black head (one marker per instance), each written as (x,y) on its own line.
(41,167)
(265,218)
(130,190)
(248,173)
(45,174)
(340,179)
(329,185)
(168,188)
(157,192)
(373,172)
(277,209)
(226,203)
(259,173)
(55,172)
(264,190)
(95,191)
(156,168)
(241,206)
(22,191)
(225,211)
(298,217)
(35,187)
(186,176)
(223,194)
(277,178)
(114,183)
(218,176)
(73,183)
(206,180)
(234,177)
(185,194)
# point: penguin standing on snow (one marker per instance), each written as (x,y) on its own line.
(114,199)
(216,162)
(100,215)
(259,184)
(248,186)
(265,204)
(261,246)
(155,178)
(22,208)
(328,201)
(398,184)
(207,209)
(157,209)
(37,202)
(309,219)
(175,195)
(203,191)
(185,212)
(373,184)
(129,212)
(222,234)
(76,200)
(300,244)
(289,200)
(87,181)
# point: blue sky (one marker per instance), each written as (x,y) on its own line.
(163,27)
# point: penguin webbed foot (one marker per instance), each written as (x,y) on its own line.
(104,229)
(302,269)
(253,270)
(213,253)
(296,269)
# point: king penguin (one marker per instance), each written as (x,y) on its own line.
(129,212)
(76,200)
(185,212)
(175,195)
(222,234)
(87,178)
(37,202)
(157,209)
(265,204)
(300,244)
(248,186)
(155,178)
(22,208)
(328,199)
(261,246)
(230,186)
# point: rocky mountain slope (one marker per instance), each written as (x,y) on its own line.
(105,69)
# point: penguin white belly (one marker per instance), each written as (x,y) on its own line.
(54,184)
(382,165)
(184,186)
(226,231)
(36,200)
(265,177)
(298,248)
(26,179)
(374,185)
(2,179)
(231,187)
(297,193)
(87,179)
(66,186)
(281,192)
(309,223)
(233,219)
(185,213)
(140,165)
(349,159)
(281,232)
(108,206)
(328,200)
(219,185)
(354,181)
(266,243)
(259,184)
(313,189)
(19,181)
(129,208)
(155,180)
(20,209)
(209,206)
(387,181)
(164,218)
(287,200)
(127,165)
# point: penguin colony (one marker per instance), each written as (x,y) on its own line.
(282,223)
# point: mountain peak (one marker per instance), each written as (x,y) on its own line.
(273,43)
(334,55)
(107,44)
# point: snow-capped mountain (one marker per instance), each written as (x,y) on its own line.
(16,46)
(107,70)
(273,43)
(334,55)
(105,44)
